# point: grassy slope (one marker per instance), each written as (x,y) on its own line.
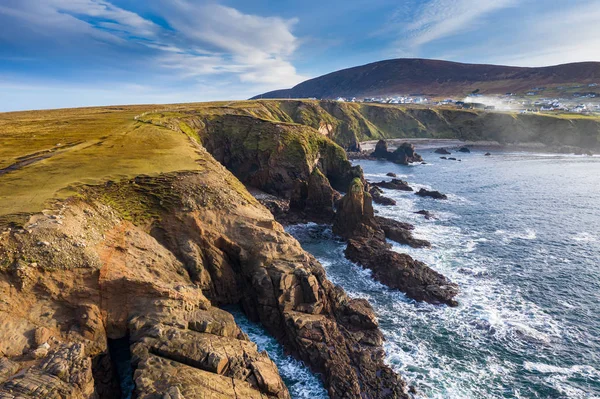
(108,144)
(62,148)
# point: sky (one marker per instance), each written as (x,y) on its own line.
(67,53)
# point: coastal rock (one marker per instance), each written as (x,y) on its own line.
(394,184)
(314,199)
(464,149)
(210,242)
(400,232)
(366,235)
(355,216)
(404,154)
(391,174)
(433,194)
(442,151)
(428,215)
(379,198)
(487,154)
(402,272)
(65,372)
(381,150)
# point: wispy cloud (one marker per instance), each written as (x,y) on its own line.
(573,35)
(256,48)
(197,40)
(437,19)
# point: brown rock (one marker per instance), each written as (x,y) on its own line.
(366,233)
(433,194)
(379,198)
(400,232)
(394,184)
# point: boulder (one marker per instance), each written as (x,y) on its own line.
(464,149)
(391,174)
(400,232)
(428,215)
(433,194)
(442,151)
(487,154)
(379,198)
(366,236)
(394,184)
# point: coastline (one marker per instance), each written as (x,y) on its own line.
(481,145)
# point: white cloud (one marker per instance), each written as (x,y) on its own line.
(203,39)
(257,48)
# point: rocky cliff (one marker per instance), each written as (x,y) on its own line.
(348,124)
(150,259)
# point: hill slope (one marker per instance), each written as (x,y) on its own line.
(439,78)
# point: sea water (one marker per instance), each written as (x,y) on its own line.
(520,234)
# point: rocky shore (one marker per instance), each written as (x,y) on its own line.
(151,260)
(82,273)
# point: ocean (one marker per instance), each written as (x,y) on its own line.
(520,234)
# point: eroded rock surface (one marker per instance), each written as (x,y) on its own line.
(431,193)
(366,234)
(394,184)
(404,154)
(151,258)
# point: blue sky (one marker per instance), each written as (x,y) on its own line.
(62,53)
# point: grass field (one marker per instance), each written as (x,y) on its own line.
(53,150)
(43,154)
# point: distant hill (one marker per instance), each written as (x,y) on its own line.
(444,78)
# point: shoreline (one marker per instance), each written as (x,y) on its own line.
(483,145)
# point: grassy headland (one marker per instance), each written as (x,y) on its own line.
(45,153)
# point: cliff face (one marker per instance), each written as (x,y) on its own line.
(347,124)
(150,258)
(135,223)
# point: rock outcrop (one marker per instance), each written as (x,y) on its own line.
(464,149)
(150,259)
(400,232)
(394,184)
(366,236)
(442,151)
(379,198)
(431,193)
(428,215)
(404,154)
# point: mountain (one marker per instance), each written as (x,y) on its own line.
(433,78)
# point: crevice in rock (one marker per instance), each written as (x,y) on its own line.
(120,354)
(106,380)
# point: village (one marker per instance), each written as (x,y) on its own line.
(583,101)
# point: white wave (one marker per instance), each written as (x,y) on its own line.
(584,237)
(508,236)
(543,368)
(301,382)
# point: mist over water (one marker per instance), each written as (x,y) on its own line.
(520,234)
